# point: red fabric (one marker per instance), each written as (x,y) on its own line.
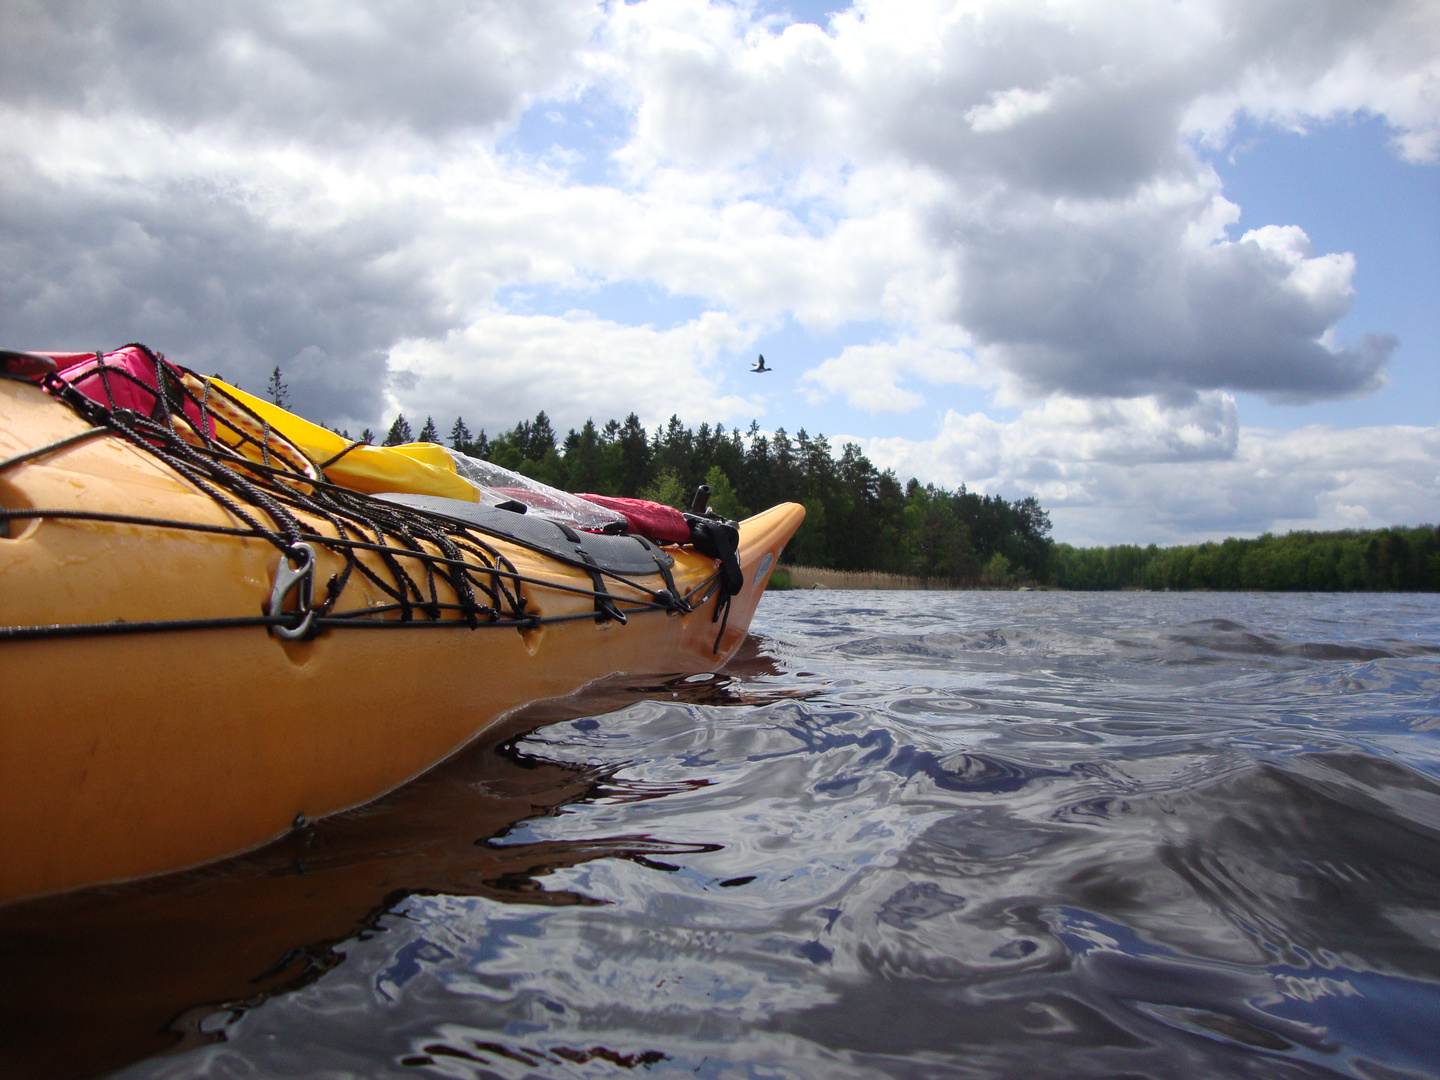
(81,370)
(652,519)
(64,360)
(26,365)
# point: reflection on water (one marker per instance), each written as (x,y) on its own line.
(911,834)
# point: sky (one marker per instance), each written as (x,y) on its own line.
(1172,267)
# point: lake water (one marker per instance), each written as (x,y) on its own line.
(905,834)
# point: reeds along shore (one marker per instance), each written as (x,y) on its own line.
(814,577)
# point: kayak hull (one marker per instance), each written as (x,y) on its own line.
(124,755)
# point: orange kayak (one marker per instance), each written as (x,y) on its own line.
(193,663)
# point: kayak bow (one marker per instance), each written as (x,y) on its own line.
(201,651)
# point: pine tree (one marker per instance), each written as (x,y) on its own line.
(428,432)
(276,390)
(584,459)
(460,436)
(634,457)
(367,436)
(542,438)
(399,432)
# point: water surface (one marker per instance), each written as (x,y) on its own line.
(906,834)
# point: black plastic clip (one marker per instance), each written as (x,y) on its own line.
(301,577)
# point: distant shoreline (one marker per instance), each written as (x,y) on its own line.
(815,577)
(1398,559)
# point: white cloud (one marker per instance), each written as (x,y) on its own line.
(1016,170)
(870,376)
(1303,62)
(1049,442)
(321,71)
(1007,108)
(1124,299)
(1141,470)
(501,368)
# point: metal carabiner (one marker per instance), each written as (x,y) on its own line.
(287,579)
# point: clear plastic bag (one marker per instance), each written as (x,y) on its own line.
(497,486)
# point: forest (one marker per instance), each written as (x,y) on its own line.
(857,517)
(861,518)
(1394,559)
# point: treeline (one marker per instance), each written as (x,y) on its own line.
(857,517)
(1380,560)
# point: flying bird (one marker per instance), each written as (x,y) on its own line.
(760,365)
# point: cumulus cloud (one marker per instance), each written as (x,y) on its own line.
(321,71)
(1012,170)
(244,184)
(1308,62)
(1180,472)
(1135,299)
(871,376)
(214,282)
(503,367)
(1312,478)
(1043,445)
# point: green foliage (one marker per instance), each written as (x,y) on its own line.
(779,579)
(723,499)
(428,432)
(532,439)
(630,464)
(938,542)
(585,459)
(1394,559)
(549,469)
(505,454)
(399,432)
(668,489)
(997,571)
(460,436)
(276,389)
(810,543)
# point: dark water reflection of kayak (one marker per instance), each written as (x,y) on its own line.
(907,834)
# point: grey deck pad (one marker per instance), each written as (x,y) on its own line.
(632,556)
